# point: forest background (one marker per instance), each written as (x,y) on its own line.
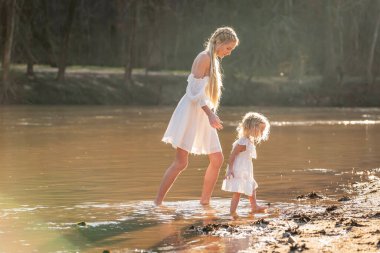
(139,52)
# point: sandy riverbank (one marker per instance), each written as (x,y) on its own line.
(317,224)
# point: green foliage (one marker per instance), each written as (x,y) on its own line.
(293,40)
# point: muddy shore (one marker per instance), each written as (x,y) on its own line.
(316,223)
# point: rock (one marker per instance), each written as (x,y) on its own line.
(82,224)
(260,222)
(353,223)
(311,195)
(292,239)
(344,198)
(301,218)
(298,248)
(331,208)
(293,231)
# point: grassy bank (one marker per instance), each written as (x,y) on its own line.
(105,86)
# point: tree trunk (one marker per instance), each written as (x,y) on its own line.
(154,56)
(44,37)
(27,41)
(9,11)
(180,15)
(372,51)
(119,34)
(330,56)
(130,34)
(66,39)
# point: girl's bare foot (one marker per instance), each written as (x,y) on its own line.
(204,203)
(259,209)
(234,215)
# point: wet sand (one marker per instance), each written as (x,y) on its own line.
(318,223)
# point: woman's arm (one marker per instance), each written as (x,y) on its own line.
(235,151)
(200,69)
(214,120)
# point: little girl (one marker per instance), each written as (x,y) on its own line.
(253,129)
(192,127)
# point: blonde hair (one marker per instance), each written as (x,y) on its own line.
(220,36)
(251,121)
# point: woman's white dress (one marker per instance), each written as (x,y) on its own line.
(189,127)
(243,181)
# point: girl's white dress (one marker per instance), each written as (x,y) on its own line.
(189,127)
(243,181)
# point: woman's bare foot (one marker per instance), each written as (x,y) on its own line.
(259,209)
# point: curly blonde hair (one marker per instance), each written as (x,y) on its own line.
(250,121)
(220,36)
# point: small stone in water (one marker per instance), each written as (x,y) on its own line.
(344,198)
(331,208)
(311,195)
(82,224)
(292,239)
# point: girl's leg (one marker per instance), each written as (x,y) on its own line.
(211,176)
(234,203)
(179,164)
(254,206)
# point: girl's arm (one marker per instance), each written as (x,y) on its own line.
(235,151)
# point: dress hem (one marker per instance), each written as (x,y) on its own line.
(167,140)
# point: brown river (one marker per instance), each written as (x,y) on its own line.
(62,165)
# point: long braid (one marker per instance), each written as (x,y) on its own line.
(214,87)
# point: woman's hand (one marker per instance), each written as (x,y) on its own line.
(229,174)
(215,122)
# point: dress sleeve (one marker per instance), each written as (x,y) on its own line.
(242,141)
(253,152)
(196,90)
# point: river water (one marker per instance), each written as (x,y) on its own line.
(60,165)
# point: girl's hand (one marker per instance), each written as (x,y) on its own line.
(215,122)
(229,174)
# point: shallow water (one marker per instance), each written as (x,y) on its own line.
(61,165)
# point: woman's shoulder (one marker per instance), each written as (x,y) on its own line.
(201,62)
(204,56)
(201,65)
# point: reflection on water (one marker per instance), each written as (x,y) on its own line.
(102,166)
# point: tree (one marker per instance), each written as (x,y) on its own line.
(8,13)
(372,49)
(126,23)
(27,38)
(66,40)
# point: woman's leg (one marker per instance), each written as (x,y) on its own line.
(179,164)
(234,203)
(211,176)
